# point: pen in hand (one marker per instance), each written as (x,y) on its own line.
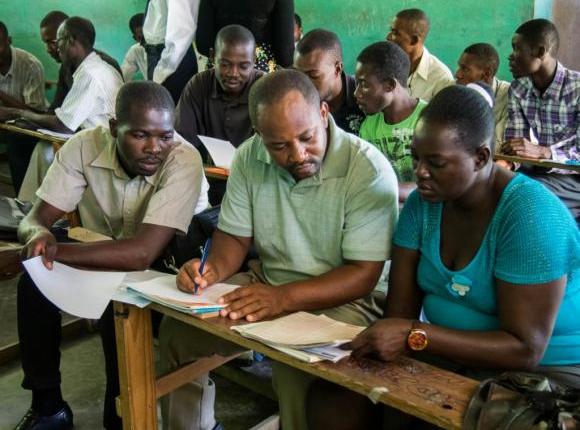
(204,255)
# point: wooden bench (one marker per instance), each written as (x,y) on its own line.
(432,394)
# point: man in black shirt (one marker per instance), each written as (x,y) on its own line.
(319,56)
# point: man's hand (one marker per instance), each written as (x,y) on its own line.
(385,339)
(42,243)
(522,147)
(253,302)
(189,275)
(7,114)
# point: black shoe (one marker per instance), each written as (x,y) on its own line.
(218,426)
(62,420)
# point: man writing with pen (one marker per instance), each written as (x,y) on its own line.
(319,205)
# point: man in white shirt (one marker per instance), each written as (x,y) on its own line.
(136,58)
(428,75)
(21,86)
(168,30)
(480,62)
(89,103)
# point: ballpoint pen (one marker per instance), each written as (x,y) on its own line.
(204,255)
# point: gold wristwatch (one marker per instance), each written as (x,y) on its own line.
(417,339)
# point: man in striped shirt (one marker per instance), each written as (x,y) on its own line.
(544,102)
(21,76)
(21,86)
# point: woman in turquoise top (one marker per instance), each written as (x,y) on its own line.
(492,257)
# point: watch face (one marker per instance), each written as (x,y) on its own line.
(417,340)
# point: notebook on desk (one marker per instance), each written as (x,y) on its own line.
(163,290)
(303,335)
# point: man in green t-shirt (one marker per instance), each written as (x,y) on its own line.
(381,92)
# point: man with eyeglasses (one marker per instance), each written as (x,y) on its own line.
(48,29)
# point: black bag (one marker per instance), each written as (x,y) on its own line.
(523,401)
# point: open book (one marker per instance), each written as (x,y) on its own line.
(163,290)
(303,335)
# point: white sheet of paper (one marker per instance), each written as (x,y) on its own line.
(55,133)
(165,288)
(221,151)
(83,293)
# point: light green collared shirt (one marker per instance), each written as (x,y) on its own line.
(347,211)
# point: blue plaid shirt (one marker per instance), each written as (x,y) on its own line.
(553,117)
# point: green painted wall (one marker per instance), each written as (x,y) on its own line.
(455,23)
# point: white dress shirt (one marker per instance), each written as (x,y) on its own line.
(25,79)
(430,77)
(135,61)
(91,99)
(171,23)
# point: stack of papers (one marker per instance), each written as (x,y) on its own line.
(64,136)
(163,290)
(86,293)
(303,335)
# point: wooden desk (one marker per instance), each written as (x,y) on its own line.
(548,164)
(432,394)
(57,142)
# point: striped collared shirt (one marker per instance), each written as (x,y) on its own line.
(91,99)
(25,79)
(553,117)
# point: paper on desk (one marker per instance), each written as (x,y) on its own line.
(64,136)
(221,151)
(164,289)
(83,293)
(300,330)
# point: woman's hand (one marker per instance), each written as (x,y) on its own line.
(385,339)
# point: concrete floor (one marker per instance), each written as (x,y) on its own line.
(82,370)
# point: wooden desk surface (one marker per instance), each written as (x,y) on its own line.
(432,394)
(549,164)
(210,171)
(52,139)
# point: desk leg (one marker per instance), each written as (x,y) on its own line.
(136,367)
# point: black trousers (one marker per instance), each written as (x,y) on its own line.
(39,333)
(19,152)
(176,82)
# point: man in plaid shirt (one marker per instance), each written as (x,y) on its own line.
(544,103)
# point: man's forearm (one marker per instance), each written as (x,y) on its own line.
(344,284)
(228,253)
(125,254)
(12,102)
(43,120)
